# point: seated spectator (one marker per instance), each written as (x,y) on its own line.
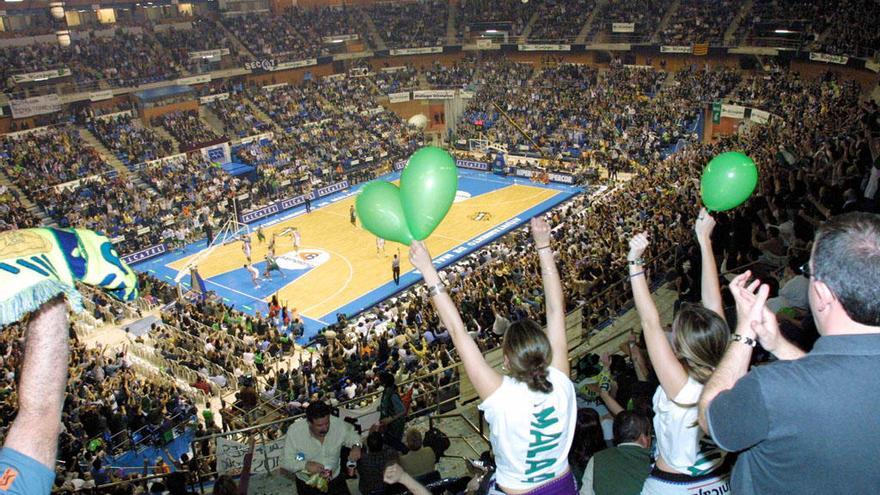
(623,469)
(372,464)
(420,459)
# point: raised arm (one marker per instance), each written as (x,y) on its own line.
(670,371)
(485,379)
(553,297)
(36,427)
(710,288)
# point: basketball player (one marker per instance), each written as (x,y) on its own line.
(380,246)
(352,216)
(272,264)
(255,274)
(296,240)
(260,236)
(271,246)
(246,247)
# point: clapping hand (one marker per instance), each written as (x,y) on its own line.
(754,318)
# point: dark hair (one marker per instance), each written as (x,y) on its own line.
(374,441)
(846,258)
(629,426)
(387,380)
(588,437)
(528,353)
(317,410)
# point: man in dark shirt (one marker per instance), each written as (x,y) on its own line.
(372,464)
(807,423)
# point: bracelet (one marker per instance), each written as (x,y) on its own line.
(634,275)
(637,261)
(436,289)
(542,247)
(745,340)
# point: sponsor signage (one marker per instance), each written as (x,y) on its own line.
(623,27)
(485,43)
(759,116)
(296,64)
(733,111)
(398,97)
(100,95)
(209,53)
(144,254)
(716,112)
(286,204)
(200,79)
(124,113)
(434,94)
(829,59)
(36,105)
(472,165)
(44,75)
(210,98)
(264,64)
(389,70)
(339,38)
(553,176)
(335,77)
(416,51)
(400,165)
(544,47)
(272,87)
(676,49)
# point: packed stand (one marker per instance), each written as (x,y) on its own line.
(480,13)
(645,14)
(266,34)
(771,21)
(289,106)
(236,115)
(700,21)
(458,76)
(851,30)
(410,25)
(129,140)
(561,20)
(397,78)
(318,23)
(186,127)
(203,35)
(13,214)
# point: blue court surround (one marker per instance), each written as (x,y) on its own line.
(236,288)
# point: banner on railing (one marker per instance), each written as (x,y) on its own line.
(623,27)
(272,87)
(559,177)
(265,64)
(675,49)
(339,38)
(733,111)
(124,113)
(43,75)
(189,81)
(216,97)
(543,47)
(398,97)
(101,95)
(230,456)
(209,53)
(372,111)
(255,137)
(296,64)
(144,254)
(759,116)
(335,77)
(220,153)
(416,51)
(828,58)
(486,44)
(391,70)
(434,94)
(35,105)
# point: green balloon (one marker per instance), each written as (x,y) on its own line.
(728,181)
(379,208)
(427,189)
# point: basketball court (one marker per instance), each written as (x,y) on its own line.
(337,268)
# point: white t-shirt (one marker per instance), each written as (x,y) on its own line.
(680,440)
(522,422)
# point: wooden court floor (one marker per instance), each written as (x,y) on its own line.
(354,268)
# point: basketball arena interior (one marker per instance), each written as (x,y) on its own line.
(189,175)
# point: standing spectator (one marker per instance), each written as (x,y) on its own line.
(532,412)
(312,450)
(621,470)
(392,413)
(420,460)
(788,442)
(395,268)
(372,465)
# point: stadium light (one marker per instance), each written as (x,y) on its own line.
(784,31)
(491,31)
(57,9)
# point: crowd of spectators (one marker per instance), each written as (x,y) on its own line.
(409,25)
(699,21)
(397,78)
(561,20)
(186,127)
(325,22)
(847,31)
(459,75)
(269,35)
(481,13)
(237,117)
(769,21)
(644,14)
(130,141)
(203,34)
(13,214)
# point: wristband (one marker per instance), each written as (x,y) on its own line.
(634,275)
(637,261)
(436,289)
(745,340)
(547,246)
